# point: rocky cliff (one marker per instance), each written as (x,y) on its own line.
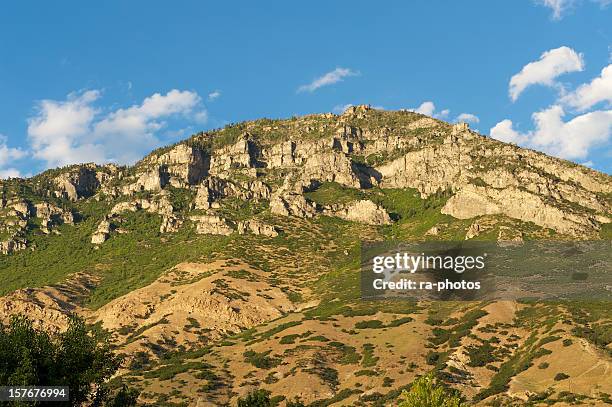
(277,161)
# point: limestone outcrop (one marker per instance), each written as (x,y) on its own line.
(82,181)
(170,224)
(257,228)
(211,225)
(472,201)
(331,167)
(102,232)
(363,211)
(242,154)
(274,165)
(185,165)
(292,204)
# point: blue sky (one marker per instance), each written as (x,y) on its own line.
(109,81)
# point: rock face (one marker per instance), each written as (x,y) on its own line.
(170,224)
(211,225)
(81,182)
(292,204)
(331,167)
(257,228)
(273,165)
(102,233)
(472,201)
(185,164)
(364,211)
(243,154)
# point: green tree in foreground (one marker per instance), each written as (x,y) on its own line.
(425,392)
(77,358)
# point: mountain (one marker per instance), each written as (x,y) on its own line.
(230,261)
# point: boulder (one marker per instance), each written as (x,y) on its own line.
(211,225)
(102,233)
(364,211)
(257,228)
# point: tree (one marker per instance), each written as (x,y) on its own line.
(77,358)
(257,398)
(425,392)
(295,403)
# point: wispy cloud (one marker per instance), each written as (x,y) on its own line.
(545,70)
(330,78)
(560,8)
(214,95)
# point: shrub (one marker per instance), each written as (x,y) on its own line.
(257,398)
(372,324)
(426,392)
(561,376)
(432,357)
(260,360)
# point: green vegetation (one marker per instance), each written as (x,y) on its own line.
(481,355)
(257,398)
(261,360)
(369,360)
(333,193)
(427,392)
(369,324)
(77,358)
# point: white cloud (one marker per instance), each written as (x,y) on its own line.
(571,140)
(588,163)
(428,108)
(214,95)
(9,173)
(544,71)
(8,156)
(443,114)
(74,131)
(504,131)
(590,94)
(558,7)
(335,76)
(468,118)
